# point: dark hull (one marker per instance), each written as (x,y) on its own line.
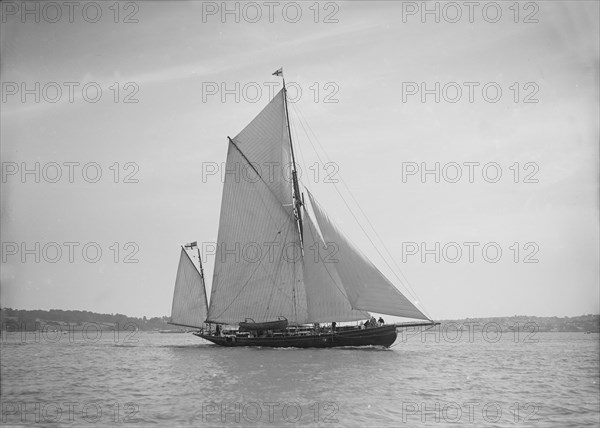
(378,336)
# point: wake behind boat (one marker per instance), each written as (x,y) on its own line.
(283,291)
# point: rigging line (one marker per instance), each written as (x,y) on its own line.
(300,242)
(302,157)
(354,246)
(406,287)
(317,240)
(358,205)
(297,197)
(282,138)
(406,282)
(357,249)
(411,292)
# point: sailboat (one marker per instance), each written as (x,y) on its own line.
(275,283)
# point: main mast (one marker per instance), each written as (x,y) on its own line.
(297,196)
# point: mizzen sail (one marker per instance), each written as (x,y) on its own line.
(189,299)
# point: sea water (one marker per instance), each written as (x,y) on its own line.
(424,379)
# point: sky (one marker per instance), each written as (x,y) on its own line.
(160,100)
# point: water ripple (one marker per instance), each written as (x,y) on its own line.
(184,381)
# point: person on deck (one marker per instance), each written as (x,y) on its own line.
(373,322)
(381,322)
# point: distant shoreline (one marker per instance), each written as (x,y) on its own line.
(73,320)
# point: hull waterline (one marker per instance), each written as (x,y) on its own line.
(377,336)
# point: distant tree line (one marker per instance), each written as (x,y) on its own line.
(34,319)
(582,323)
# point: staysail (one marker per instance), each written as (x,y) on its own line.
(326,297)
(366,287)
(189,299)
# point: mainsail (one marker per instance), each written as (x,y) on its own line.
(367,288)
(258,269)
(189,299)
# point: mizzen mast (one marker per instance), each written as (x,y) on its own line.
(297,196)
